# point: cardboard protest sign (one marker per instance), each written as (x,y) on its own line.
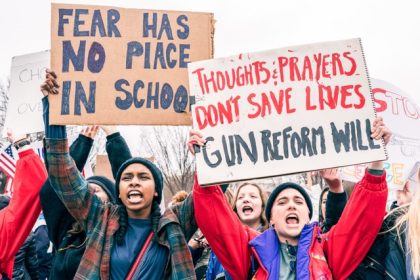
(125,66)
(402,115)
(24,109)
(283,111)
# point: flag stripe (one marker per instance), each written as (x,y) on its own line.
(5,159)
(7,164)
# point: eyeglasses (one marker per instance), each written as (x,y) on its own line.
(291,252)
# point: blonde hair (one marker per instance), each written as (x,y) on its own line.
(230,196)
(264,198)
(410,220)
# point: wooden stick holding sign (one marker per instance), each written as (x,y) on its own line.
(283,111)
(125,66)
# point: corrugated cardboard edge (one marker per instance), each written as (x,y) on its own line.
(212,30)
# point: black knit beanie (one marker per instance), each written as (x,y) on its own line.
(156,173)
(106,184)
(4,201)
(279,189)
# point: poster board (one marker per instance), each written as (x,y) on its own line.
(283,111)
(402,115)
(125,66)
(24,109)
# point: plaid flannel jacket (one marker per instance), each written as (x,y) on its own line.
(100,221)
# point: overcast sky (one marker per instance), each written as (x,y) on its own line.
(390,30)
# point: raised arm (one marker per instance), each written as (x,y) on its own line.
(227,237)
(80,148)
(17,219)
(336,198)
(65,178)
(57,217)
(116,148)
(349,241)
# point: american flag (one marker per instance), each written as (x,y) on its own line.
(8,166)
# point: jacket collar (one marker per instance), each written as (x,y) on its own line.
(270,258)
(267,239)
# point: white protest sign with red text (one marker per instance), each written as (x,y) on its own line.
(402,115)
(283,111)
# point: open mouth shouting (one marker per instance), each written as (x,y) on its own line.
(247,210)
(292,219)
(134,196)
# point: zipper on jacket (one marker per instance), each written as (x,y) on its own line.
(386,272)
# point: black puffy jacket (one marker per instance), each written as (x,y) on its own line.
(386,258)
(26,261)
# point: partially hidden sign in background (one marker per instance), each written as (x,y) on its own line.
(283,111)
(402,115)
(125,66)
(24,109)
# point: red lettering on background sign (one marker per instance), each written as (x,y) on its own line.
(212,115)
(398,104)
(333,97)
(266,101)
(316,66)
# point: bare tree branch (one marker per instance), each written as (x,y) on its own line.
(4,99)
(168,147)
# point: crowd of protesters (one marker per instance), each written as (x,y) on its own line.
(114,228)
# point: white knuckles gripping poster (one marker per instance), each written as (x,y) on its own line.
(283,111)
